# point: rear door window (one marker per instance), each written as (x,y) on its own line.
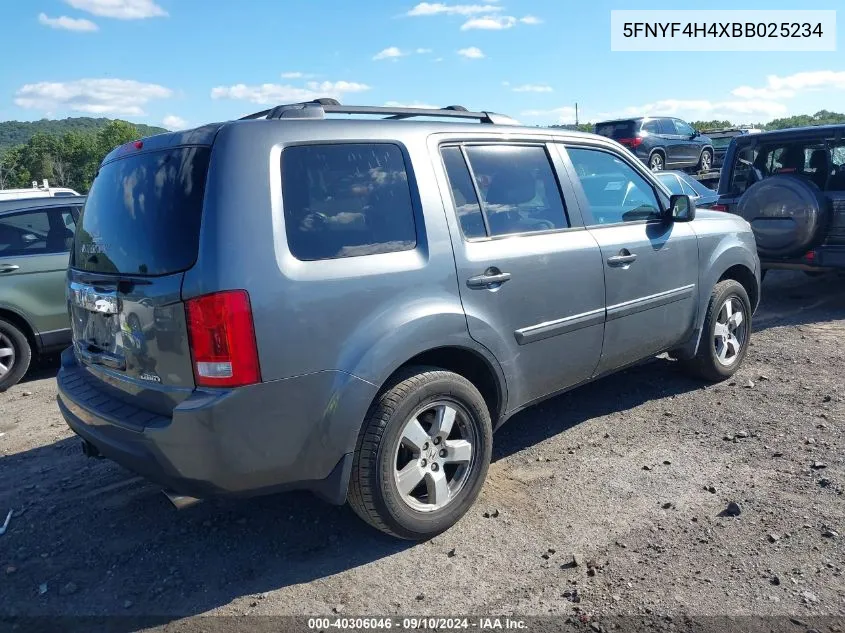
(517,186)
(667,127)
(466,202)
(142,215)
(346,200)
(652,127)
(37,232)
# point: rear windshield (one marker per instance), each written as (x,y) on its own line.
(617,129)
(142,215)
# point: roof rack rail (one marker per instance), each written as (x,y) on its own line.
(318,108)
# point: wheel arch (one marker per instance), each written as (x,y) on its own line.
(745,277)
(20,322)
(731,260)
(479,368)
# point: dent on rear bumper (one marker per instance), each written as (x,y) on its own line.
(297,433)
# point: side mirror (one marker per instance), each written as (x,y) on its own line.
(696,133)
(681,209)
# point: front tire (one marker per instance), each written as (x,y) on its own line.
(725,335)
(15,355)
(422,454)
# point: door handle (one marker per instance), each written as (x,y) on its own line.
(622,259)
(8,268)
(492,278)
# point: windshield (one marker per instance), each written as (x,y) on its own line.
(721,143)
(142,215)
(672,183)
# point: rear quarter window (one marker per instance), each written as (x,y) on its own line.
(346,200)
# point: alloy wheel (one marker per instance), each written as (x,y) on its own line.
(7,355)
(434,456)
(730,331)
(656,162)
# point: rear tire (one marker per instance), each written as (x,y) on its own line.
(724,336)
(705,162)
(15,355)
(400,442)
(656,162)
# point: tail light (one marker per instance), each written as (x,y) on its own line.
(718,207)
(632,143)
(222,339)
(810,256)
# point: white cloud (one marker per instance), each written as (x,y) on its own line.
(337,87)
(268,93)
(497,22)
(66,23)
(489,23)
(703,109)
(415,104)
(472,52)
(438,8)
(423,51)
(532,88)
(95,96)
(120,9)
(439,59)
(563,115)
(173,122)
(297,75)
(790,86)
(391,52)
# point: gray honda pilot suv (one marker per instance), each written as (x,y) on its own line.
(351,306)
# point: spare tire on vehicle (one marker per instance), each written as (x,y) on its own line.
(788,215)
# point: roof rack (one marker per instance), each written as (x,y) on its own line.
(318,108)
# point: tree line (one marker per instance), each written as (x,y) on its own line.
(67,160)
(71,159)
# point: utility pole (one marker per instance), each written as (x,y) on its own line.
(576,113)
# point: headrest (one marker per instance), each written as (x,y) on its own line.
(514,186)
(819,159)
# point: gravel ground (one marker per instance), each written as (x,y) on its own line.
(608,501)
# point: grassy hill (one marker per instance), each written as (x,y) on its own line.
(19,132)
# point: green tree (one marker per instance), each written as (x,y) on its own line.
(703,126)
(114,134)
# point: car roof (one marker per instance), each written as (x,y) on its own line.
(24,204)
(811,131)
(343,129)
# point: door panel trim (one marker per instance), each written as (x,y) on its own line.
(651,301)
(548,329)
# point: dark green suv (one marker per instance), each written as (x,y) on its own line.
(35,239)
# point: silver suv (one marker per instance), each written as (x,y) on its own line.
(350,306)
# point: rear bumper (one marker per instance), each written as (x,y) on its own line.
(291,434)
(827,258)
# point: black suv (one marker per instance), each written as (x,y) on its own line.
(722,138)
(790,186)
(661,142)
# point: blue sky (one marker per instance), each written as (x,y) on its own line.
(188,62)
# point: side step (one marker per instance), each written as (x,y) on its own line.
(180,502)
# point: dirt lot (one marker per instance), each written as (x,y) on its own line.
(629,474)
